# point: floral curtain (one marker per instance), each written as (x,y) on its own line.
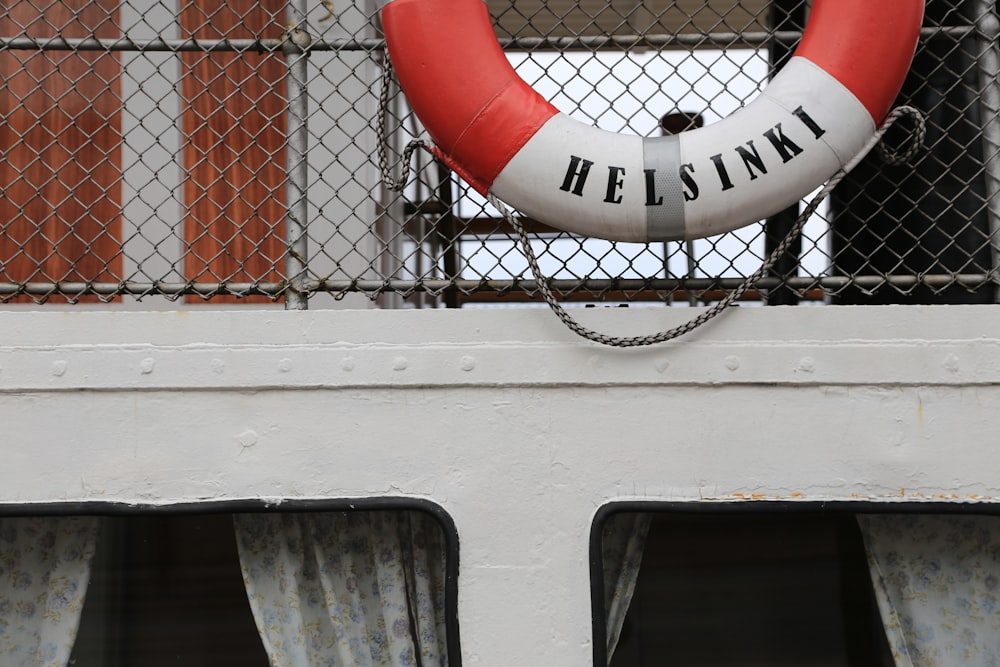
(937,580)
(622,542)
(44,572)
(355,588)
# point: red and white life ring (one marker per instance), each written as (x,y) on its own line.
(500,135)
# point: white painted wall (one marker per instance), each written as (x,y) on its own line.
(515,427)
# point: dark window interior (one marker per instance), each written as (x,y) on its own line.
(167,590)
(753,590)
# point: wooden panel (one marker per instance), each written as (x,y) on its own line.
(60,141)
(623,17)
(234,155)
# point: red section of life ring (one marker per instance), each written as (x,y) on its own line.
(500,135)
(458,81)
(866,45)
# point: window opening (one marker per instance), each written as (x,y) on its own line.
(251,588)
(741,587)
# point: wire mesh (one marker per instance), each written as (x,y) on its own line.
(201,150)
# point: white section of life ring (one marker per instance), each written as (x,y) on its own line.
(803,128)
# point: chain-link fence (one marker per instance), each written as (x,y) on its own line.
(207,150)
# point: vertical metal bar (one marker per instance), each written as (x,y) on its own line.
(447,233)
(692,266)
(297,212)
(786,15)
(988,33)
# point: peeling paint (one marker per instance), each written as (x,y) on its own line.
(894,497)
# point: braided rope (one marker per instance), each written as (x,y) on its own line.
(913,146)
(713,312)
(382,141)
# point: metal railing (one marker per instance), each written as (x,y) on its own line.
(206,151)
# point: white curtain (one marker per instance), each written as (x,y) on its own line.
(937,580)
(622,542)
(357,589)
(44,572)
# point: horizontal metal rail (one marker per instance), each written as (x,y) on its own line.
(438,286)
(717,39)
(831,283)
(168,289)
(157,44)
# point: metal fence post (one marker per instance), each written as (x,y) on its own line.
(988,29)
(296,50)
(786,16)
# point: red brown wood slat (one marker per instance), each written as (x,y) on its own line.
(60,147)
(234,152)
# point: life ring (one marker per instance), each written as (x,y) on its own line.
(500,135)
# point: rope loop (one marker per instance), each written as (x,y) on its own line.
(910,148)
(405,166)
